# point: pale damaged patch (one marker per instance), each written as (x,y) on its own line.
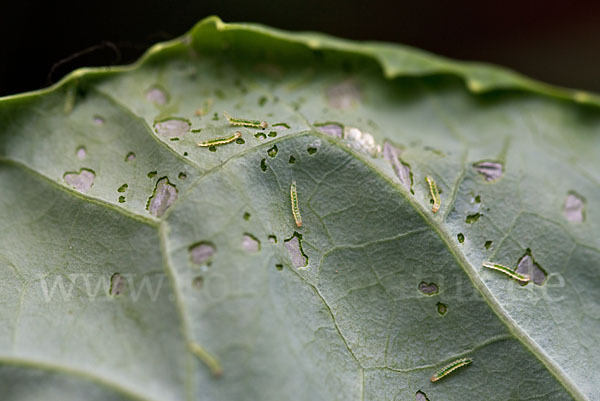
(163,197)
(294,248)
(81,181)
(402,170)
(573,209)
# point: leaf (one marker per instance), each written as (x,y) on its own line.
(139,266)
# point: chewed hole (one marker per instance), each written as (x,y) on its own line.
(488,244)
(421,396)
(478,199)
(442,308)
(162,198)
(82,181)
(260,135)
(98,120)
(81,152)
(574,208)
(272,134)
(284,125)
(198,282)
(273,239)
(490,170)
(122,188)
(292,160)
(272,152)
(472,218)
(174,127)
(240,141)
(263,165)
(212,148)
(185,153)
(130,157)
(152,174)
(460,237)
(116,284)
(250,243)
(246,216)
(121,199)
(182,176)
(332,129)
(157,95)
(428,288)
(201,253)
(294,248)
(402,170)
(527,265)
(279,266)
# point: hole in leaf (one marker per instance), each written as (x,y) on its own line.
(460,237)
(292,160)
(260,135)
(263,165)
(401,169)
(152,174)
(250,243)
(116,284)
(98,120)
(273,239)
(272,152)
(311,151)
(294,248)
(488,244)
(182,176)
(428,289)
(442,308)
(173,127)
(527,265)
(122,188)
(121,199)
(82,181)
(81,152)
(157,94)
(246,216)
(202,252)
(272,134)
(472,218)
(491,171)
(279,267)
(421,396)
(198,282)
(162,198)
(240,141)
(212,148)
(130,157)
(285,125)
(335,130)
(573,209)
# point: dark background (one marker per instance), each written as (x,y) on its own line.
(557,42)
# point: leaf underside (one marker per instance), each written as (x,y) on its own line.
(206,287)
